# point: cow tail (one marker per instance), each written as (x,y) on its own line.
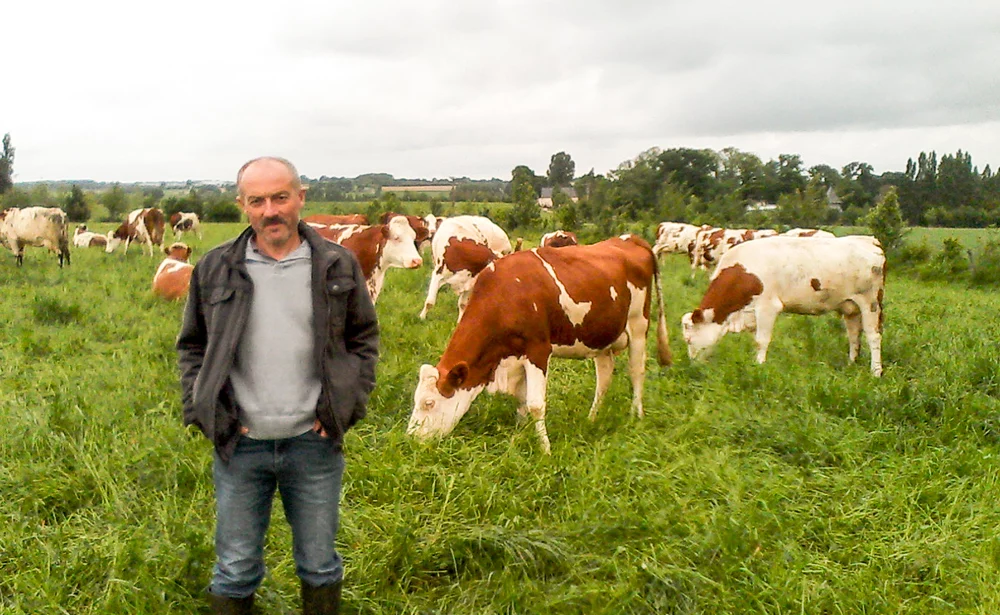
(662,336)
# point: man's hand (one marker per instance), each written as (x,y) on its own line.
(318,428)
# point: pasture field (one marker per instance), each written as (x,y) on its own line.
(800,486)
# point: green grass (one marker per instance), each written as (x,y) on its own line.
(800,486)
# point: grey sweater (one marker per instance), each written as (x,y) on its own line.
(275,380)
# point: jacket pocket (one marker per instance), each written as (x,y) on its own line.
(337,292)
(216,300)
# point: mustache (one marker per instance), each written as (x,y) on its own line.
(273,220)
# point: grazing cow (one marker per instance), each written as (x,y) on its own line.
(35,226)
(317,220)
(183,222)
(756,281)
(418,224)
(144,225)
(558,239)
(173,276)
(83,238)
(712,243)
(677,237)
(808,232)
(459,255)
(377,248)
(589,301)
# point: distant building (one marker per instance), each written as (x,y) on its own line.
(833,199)
(545,201)
(762,206)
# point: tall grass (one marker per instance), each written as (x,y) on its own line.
(800,486)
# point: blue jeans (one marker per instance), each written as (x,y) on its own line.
(307,471)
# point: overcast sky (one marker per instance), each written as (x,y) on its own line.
(134,91)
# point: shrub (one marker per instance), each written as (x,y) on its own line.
(913,254)
(986,267)
(947,264)
(885,221)
(221,211)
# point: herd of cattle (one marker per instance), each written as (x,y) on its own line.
(518,308)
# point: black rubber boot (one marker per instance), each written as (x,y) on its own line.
(323,600)
(222,605)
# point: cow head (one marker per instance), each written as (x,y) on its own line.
(439,402)
(178,251)
(700,332)
(400,249)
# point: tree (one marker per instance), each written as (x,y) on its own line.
(886,221)
(115,201)
(522,192)
(561,169)
(76,206)
(6,165)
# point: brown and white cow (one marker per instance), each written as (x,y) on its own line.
(418,224)
(808,232)
(84,238)
(676,237)
(579,302)
(182,222)
(712,243)
(459,255)
(142,225)
(558,239)
(756,281)
(329,219)
(377,248)
(173,276)
(35,226)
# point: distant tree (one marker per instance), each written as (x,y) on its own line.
(693,168)
(6,165)
(567,217)
(525,210)
(75,205)
(885,221)
(115,200)
(41,196)
(152,197)
(561,169)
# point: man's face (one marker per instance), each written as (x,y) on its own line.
(272,203)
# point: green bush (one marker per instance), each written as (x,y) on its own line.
(913,254)
(221,211)
(986,267)
(948,264)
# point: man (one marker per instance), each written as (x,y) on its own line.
(277,357)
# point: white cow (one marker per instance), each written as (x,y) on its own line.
(84,238)
(459,256)
(808,232)
(35,226)
(757,280)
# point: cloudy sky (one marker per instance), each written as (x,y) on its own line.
(134,91)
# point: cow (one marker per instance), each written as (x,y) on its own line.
(328,219)
(377,248)
(143,225)
(459,255)
(182,222)
(558,239)
(418,224)
(173,276)
(756,281)
(589,301)
(712,243)
(677,237)
(35,226)
(808,232)
(84,238)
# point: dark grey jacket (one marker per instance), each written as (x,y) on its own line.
(218,304)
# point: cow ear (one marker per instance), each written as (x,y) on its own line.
(697,317)
(455,378)
(385,230)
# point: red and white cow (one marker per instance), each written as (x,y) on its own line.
(457,259)
(676,237)
(756,281)
(182,222)
(143,225)
(41,227)
(579,302)
(329,219)
(808,232)
(83,238)
(418,224)
(558,239)
(173,276)
(377,248)
(712,243)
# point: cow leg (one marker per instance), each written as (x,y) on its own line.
(765,326)
(852,322)
(636,329)
(432,292)
(536,381)
(870,321)
(604,365)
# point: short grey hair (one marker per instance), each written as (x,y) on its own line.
(296,182)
